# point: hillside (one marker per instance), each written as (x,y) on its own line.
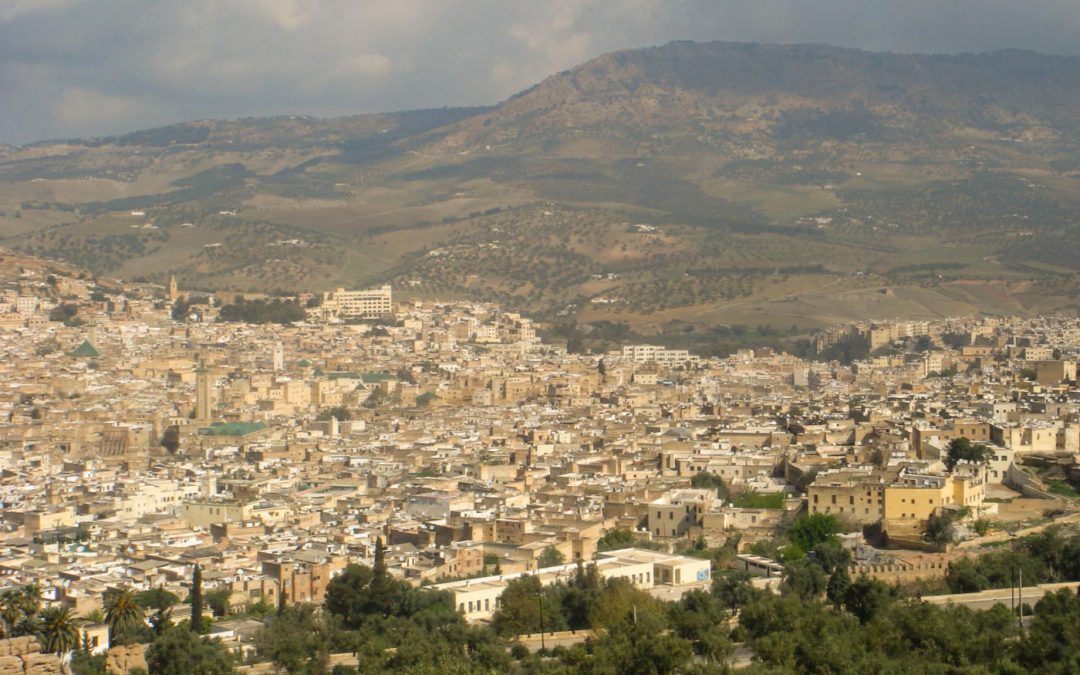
(667,187)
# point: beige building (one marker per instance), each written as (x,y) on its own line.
(674,514)
(367,304)
(914,497)
(857,494)
(204,513)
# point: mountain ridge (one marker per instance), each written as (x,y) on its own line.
(646,186)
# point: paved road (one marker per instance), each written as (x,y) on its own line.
(987,599)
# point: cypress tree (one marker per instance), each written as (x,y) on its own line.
(196,599)
(379,568)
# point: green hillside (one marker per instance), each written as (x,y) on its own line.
(714,183)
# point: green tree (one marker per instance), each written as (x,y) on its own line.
(808,532)
(259,311)
(866,598)
(170,439)
(180,309)
(85,663)
(526,606)
(550,557)
(12,606)
(638,643)
(837,588)
(218,601)
(734,590)
(122,614)
(196,600)
(963,449)
(616,539)
(1052,644)
(156,598)
(702,618)
(59,635)
(804,578)
(179,651)
(347,595)
(341,413)
(711,481)
(298,639)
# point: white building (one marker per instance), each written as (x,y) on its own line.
(478,598)
(368,304)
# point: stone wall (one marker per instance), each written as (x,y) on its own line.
(122,660)
(902,574)
(1025,483)
(22,656)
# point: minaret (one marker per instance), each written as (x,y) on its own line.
(202,392)
(279,358)
(174,291)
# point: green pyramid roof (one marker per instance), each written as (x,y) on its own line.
(85,349)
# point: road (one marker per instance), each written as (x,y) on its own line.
(987,599)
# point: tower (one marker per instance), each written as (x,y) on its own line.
(174,291)
(202,392)
(279,357)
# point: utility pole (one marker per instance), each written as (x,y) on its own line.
(1020,599)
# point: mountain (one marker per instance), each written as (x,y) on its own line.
(670,188)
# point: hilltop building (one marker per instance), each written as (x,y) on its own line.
(367,304)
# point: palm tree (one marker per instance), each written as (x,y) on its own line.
(95,616)
(10,610)
(29,624)
(58,630)
(121,612)
(31,598)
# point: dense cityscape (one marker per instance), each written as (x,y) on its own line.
(158,453)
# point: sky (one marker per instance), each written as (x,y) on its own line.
(79,68)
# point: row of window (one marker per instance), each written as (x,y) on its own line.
(474,606)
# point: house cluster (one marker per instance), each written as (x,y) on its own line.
(135,446)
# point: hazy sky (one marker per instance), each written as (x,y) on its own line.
(93,67)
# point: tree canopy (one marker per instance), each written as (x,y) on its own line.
(962,449)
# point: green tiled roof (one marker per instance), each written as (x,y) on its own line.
(232,429)
(370,378)
(85,349)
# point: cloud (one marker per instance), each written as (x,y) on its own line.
(83,107)
(11,9)
(151,62)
